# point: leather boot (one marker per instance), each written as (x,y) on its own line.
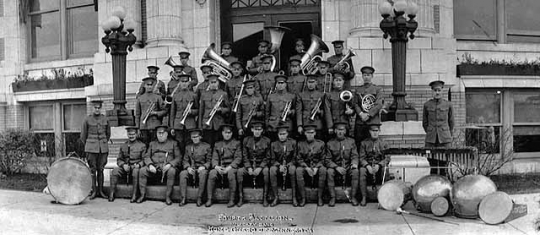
(293,188)
(302,192)
(100,180)
(135,189)
(210,192)
(142,189)
(332,190)
(320,192)
(232,194)
(168,193)
(363,191)
(275,190)
(240,195)
(265,195)
(94,188)
(354,190)
(112,188)
(183,192)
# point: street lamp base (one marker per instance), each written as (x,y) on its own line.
(121,117)
(400,115)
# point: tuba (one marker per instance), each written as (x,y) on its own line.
(367,102)
(218,64)
(308,62)
(347,56)
(276,35)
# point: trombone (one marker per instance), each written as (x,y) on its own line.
(214,110)
(315,109)
(148,112)
(285,111)
(186,112)
(327,86)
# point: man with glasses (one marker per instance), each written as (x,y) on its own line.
(438,120)
(250,104)
(266,77)
(372,159)
(208,105)
(226,52)
(181,124)
(195,166)
(277,112)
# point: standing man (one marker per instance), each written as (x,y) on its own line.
(233,87)
(277,114)
(438,119)
(296,81)
(310,161)
(161,159)
(299,47)
(149,111)
(309,107)
(129,161)
(266,77)
(181,118)
(324,81)
(95,134)
(196,161)
(214,101)
(372,159)
(255,157)
(158,87)
(203,86)
(283,160)
(175,79)
(336,66)
(255,66)
(226,52)
(184,58)
(342,158)
(250,104)
(226,157)
(369,96)
(335,110)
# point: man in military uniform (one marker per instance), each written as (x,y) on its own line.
(266,77)
(226,52)
(226,158)
(149,111)
(372,159)
(299,47)
(276,114)
(335,110)
(158,87)
(283,162)
(438,118)
(342,157)
(234,85)
(161,159)
(255,67)
(130,160)
(197,160)
(175,79)
(368,91)
(177,120)
(208,101)
(184,58)
(324,81)
(335,66)
(250,104)
(310,161)
(255,154)
(203,86)
(296,81)
(95,134)
(306,106)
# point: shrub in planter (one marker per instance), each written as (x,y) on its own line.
(15,150)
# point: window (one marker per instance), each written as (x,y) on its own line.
(41,117)
(476,20)
(483,117)
(73,116)
(62,29)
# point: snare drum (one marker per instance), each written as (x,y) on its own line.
(69,180)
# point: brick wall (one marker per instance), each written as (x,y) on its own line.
(3,108)
(14,116)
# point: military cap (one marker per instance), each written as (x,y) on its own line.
(152,67)
(323,62)
(184,54)
(265,42)
(282,127)
(310,127)
(338,124)
(191,131)
(295,61)
(367,69)
(236,62)
(162,126)
(131,128)
(337,42)
(206,66)
(175,67)
(436,83)
(280,77)
(299,40)
(257,124)
(223,126)
(148,78)
(96,101)
(375,125)
(266,56)
(249,82)
(184,76)
(226,43)
(336,73)
(213,76)
(311,77)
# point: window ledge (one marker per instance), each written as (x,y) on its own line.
(500,81)
(59,94)
(491,46)
(59,63)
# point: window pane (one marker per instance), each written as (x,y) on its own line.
(42,5)
(483,107)
(71,3)
(82,30)
(522,14)
(486,139)
(41,118)
(527,107)
(74,115)
(73,143)
(45,32)
(475,19)
(526,138)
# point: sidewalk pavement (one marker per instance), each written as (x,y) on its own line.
(32,213)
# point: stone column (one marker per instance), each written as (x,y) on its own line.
(133,10)
(164,23)
(425,19)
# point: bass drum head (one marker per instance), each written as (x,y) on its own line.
(440,206)
(393,194)
(495,208)
(69,181)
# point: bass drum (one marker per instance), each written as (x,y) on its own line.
(69,180)
(428,188)
(467,193)
(393,194)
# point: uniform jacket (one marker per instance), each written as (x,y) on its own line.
(305,103)
(334,108)
(193,73)
(159,90)
(160,154)
(283,151)
(266,83)
(197,155)
(142,106)
(131,153)
(233,87)
(274,108)
(374,114)
(207,103)
(180,103)
(372,152)
(295,83)
(438,120)
(311,154)
(321,79)
(256,152)
(333,60)
(246,104)
(229,152)
(173,83)
(201,88)
(230,58)
(95,134)
(341,153)
(256,62)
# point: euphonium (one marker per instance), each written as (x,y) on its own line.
(285,111)
(148,112)
(186,112)
(308,62)
(218,64)
(214,110)
(276,35)
(315,109)
(347,56)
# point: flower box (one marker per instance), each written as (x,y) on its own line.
(498,69)
(46,84)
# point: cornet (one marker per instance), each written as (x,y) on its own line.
(169,98)
(285,111)
(250,115)
(148,112)
(186,112)
(315,109)
(214,110)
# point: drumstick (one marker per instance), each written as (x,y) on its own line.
(399,211)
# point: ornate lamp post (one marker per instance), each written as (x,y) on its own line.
(400,30)
(118,40)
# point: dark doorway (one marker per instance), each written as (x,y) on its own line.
(301,30)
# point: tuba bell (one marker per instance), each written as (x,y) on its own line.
(346,96)
(218,64)
(309,61)
(347,56)
(276,35)
(171,62)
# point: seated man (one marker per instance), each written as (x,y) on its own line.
(197,158)
(283,161)
(371,159)
(310,161)
(129,161)
(163,156)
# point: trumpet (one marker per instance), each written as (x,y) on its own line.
(327,86)
(214,110)
(235,109)
(315,109)
(148,112)
(346,57)
(285,111)
(250,115)
(186,112)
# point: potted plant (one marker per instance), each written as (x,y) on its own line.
(54,79)
(470,66)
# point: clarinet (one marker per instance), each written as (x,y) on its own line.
(165,163)
(374,178)
(193,164)
(219,163)
(284,174)
(254,166)
(343,165)
(310,159)
(129,171)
